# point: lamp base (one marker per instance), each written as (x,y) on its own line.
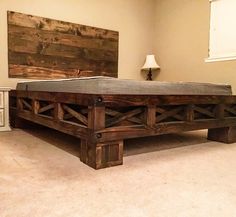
(149,75)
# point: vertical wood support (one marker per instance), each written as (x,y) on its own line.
(58,111)
(224,134)
(35,106)
(99,155)
(19,104)
(189,113)
(19,122)
(220,111)
(151,116)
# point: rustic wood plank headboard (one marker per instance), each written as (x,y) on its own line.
(42,48)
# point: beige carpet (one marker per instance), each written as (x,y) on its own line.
(167,176)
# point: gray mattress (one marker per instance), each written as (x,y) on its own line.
(107,85)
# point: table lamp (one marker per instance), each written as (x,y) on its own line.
(150,64)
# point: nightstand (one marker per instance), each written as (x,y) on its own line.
(4,109)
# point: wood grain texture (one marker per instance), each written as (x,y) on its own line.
(42,48)
(104,121)
(224,134)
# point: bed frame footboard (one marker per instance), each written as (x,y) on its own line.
(102,122)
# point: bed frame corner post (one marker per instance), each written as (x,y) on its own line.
(15,121)
(99,154)
(224,134)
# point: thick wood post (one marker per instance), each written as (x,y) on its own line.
(15,120)
(58,111)
(224,134)
(150,116)
(99,155)
(189,113)
(35,106)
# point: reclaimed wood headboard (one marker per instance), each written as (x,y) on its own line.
(42,48)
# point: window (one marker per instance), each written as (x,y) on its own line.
(222,44)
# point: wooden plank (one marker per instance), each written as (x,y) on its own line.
(168,114)
(189,112)
(139,100)
(26,104)
(219,111)
(114,113)
(25,71)
(91,153)
(96,117)
(125,132)
(123,116)
(19,104)
(58,111)
(204,111)
(231,110)
(35,106)
(71,66)
(46,108)
(110,100)
(161,110)
(224,134)
(65,127)
(42,48)
(33,35)
(41,23)
(150,115)
(75,114)
(52,49)
(71,98)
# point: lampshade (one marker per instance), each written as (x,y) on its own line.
(150,63)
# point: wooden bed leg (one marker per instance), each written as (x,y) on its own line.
(101,155)
(225,134)
(15,121)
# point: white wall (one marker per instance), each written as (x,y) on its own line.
(133,19)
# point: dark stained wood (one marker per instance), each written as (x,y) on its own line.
(71,67)
(114,113)
(100,155)
(75,114)
(33,35)
(44,48)
(189,112)
(35,106)
(118,133)
(109,119)
(74,98)
(204,111)
(42,72)
(150,115)
(224,134)
(220,111)
(58,112)
(57,50)
(138,100)
(72,129)
(20,104)
(169,113)
(231,110)
(96,121)
(23,20)
(46,108)
(176,116)
(26,104)
(123,116)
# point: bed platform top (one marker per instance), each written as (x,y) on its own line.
(108,85)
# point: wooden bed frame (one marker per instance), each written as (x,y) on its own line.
(102,122)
